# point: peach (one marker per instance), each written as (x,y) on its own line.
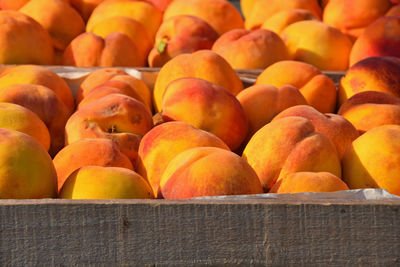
(85,7)
(164,142)
(301,182)
(62,21)
(244,49)
(394,11)
(379,39)
(142,11)
(370,109)
(373,160)
(363,13)
(246,6)
(160,4)
(45,104)
(264,9)
(380,74)
(96,182)
(118,117)
(12,4)
(203,64)
(88,152)
(132,28)
(319,44)
(318,89)
(278,22)
(23,40)
(206,106)
(178,35)
(338,129)
(208,171)
(26,169)
(31,74)
(90,50)
(18,118)
(262,103)
(290,145)
(220,14)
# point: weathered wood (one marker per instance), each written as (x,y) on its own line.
(200,232)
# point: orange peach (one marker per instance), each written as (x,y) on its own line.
(203,64)
(319,44)
(12,4)
(62,21)
(318,89)
(26,169)
(264,9)
(278,22)
(45,104)
(206,106)
(90,50)
(208,171)
(290,145)
(394,11)
(244,49)
(262,103)
(178,35)
(23,40)
(160,4)
(31,74)
(338,129)
(88,152)
(370,109)
(18,118)
(142,11)
(164,142)
(118,117)
(380,74)
(373,160)
(363,13)
(246,6)
(379,39)
(96,182)
(220,14)
(301,182)
(85,7)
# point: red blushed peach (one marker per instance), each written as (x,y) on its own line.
(290,145)
(88,152)
(206,106)
(363,13)
(380,74)
(338,129)
(220,14)
(262,103)
(370,109)
(278,22)
(393,12)
(178,35)
(203,64)
(164,142)
(160,4)
(95,182)
(90,50)
(208,171)
(379,39)
(85,7)
(244,49)
(318,89)
(120,118)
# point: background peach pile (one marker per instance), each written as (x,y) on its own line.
(199,131)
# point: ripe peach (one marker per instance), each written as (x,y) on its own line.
(85,7)
(319,44)
(244,49)
(318,89)
(178,35)
(95,182)
(246,6)
(26,169)
(12,4)
(290,145)
(300,182)
(88,152)
(373,160)
(278,22)
(206,106)
(394,11)
(220,14)
(160,4)
(208,171)
(203,64)
(338,129)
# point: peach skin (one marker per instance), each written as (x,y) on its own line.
(12,4)
(279,21)
(85,7)
(394,11)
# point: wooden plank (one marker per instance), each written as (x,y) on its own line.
(199,232)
